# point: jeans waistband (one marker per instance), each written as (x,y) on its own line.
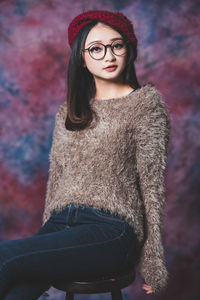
(74,213)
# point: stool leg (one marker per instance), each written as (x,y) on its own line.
(116,294)
(69,296)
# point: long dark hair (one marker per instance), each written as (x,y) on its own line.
(80,82)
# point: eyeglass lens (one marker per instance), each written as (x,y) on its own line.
(97,51)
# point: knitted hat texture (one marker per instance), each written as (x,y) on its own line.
(116,19)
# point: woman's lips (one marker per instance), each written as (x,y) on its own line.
(111,69)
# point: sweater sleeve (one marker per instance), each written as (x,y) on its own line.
(55,171)
(152,139)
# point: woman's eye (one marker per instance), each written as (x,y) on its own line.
(94,49)
(118,45)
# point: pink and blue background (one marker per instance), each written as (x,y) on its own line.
(34,52)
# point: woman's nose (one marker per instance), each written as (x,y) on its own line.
(109,54)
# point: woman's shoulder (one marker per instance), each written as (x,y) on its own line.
(149,94)
(149,97)
(61,110)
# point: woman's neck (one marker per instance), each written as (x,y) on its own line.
(112,91)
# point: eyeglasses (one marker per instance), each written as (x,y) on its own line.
(98,50)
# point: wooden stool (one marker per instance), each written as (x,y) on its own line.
(112,284)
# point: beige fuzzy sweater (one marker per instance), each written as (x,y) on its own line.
(119,165)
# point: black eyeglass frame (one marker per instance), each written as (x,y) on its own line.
(105,48)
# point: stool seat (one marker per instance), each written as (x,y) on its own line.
(104,284)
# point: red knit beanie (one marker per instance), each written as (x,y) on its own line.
(116,19)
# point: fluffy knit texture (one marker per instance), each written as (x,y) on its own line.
(119,165)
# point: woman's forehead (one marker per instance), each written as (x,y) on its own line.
(102,33)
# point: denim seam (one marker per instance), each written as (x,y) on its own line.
(110,218)
(60,249)
(75,215)
(69,209)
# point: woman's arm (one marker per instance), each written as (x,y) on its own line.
(152,139)
(55,171)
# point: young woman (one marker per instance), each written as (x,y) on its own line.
(105,193)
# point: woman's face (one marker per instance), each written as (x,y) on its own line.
(104,34)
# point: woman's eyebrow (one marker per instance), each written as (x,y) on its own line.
(117,38)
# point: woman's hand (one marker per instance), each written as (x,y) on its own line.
(147,288)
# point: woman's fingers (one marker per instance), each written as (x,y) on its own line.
(147,288)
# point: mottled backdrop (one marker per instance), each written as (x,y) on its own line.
(33,63)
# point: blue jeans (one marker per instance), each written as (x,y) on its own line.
(79,243)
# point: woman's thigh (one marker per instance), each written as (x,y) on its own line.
(93,245)
(79,252)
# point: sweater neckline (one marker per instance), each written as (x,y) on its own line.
(116,99)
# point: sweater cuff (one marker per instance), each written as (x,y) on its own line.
(153,268)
